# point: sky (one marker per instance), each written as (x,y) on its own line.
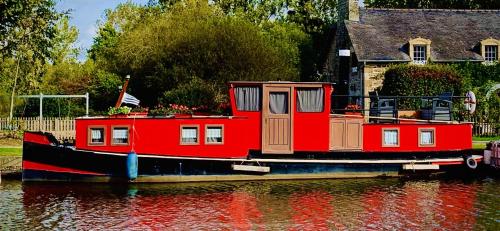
(85,14)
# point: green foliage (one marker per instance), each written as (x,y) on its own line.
(195,93)
(415,80)
(123,110)
(435,4)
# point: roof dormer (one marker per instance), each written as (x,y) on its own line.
(489,50)
(419,50)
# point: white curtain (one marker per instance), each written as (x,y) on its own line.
(426,137)
(278,102)
(247,98)
(310,100)
(120,135)
(214,135)
(96,135)
(189,135)
(391,137)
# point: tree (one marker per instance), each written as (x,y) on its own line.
(27,29)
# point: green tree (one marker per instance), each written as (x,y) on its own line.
(27,29)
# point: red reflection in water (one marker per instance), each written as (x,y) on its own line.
(312,211)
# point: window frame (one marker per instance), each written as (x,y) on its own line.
(128,135)
(182,126)
(398,138)
(420,49)
(89,135)
(488,54)
(420,131)
(207,126)
(259,109)
(297,89)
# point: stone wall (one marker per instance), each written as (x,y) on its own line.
(373,77)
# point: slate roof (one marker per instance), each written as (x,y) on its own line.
(383,34)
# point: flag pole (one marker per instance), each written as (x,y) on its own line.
(124,89)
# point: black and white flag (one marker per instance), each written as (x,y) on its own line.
(130,99)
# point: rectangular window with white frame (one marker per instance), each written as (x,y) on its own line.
(426,137)
(419,54)
(490,53)
(390,137)
(120,136)
(189,134)
(96,136)
(214,134)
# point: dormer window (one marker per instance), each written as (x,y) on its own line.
(419,54)
(489,50)
(420,50)
(490,53)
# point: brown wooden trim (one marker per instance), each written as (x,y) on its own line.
(214,126)
(89,135)
(198,138)
(391,129)
(128,136)
(420,130)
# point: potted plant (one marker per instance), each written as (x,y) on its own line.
(139,111)
(122,111)
(180,111)
(353,109)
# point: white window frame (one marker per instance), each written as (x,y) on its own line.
(113,138)
(420,54)
(197,127)
(491,53)
(208,126)
(398,137)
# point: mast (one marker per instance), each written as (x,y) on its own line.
(124,89)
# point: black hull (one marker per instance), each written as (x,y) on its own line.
(58,163)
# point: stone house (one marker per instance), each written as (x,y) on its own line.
(367,40)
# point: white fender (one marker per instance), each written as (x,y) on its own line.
(471,162)
(470,102)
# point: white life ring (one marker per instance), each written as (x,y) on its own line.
(471,162)
(470,102)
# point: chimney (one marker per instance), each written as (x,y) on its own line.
(348,10)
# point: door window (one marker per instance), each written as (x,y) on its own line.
(278,102)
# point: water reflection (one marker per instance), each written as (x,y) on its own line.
(372,204)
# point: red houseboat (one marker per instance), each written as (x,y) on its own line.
(276,130)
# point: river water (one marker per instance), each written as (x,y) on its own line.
(353,204)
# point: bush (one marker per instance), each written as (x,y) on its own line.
(414,80)
(196,93)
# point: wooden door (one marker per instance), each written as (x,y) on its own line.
(277,127)
(346,134)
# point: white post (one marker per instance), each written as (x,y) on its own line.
(87,104)
(41,111)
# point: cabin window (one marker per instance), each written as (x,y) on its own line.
(247,98)
(189,135)
(96,136)
(390,137)
(310,99)
(214,134)
(427,137)
(120,135)
(278,102)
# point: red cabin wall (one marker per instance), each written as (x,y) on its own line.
(162,136)
(448,137)
(312,129)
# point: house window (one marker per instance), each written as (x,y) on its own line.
(214,134)
(419,54)
(390,137)
(491,53)
(189,135)
(96,136)
(247,98)
(426,137)
(120,136)
(310,99)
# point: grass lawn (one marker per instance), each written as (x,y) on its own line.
(11,151)
(479,146)
(486,138)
